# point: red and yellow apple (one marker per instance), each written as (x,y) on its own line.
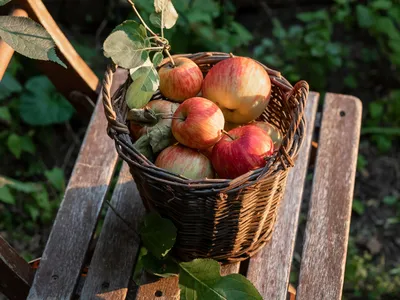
(185,161)
(164,111)
(272,131)
(182,81)
(198,123)
(240,87)
(240,150)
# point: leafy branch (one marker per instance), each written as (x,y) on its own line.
(130,47)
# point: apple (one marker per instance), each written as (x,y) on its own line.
(182,81)
(272,131)
(184,161)
(164,110)
(240,87)
(240,150)
(198,123)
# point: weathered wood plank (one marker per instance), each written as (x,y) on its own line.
(269,269)
(325,244)
(113,260)
(163,289)
(76,219)
(16,274)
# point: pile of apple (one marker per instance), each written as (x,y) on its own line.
(212,118)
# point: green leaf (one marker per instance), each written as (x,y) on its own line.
(127,45)
(381,4)
(26,187)
(390,200)
(385,25)
(56,177)
(376,110)
(235,287)
(160,137)
(197,277)
(3,2)
(358,206)
(146,82)
(313,16)
(201,279)
(6,196)
(143,146)
(278,30)
(8,86)
(160,267)
(28,38)
(27,144)
(14,145)
(42,199)
(41,104)
(365,16)
(5,115)
(350,81)
(158,234)
(157,58)
(33,211)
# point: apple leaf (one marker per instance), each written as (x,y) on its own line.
(56,177)
(166,12)
(28,38)
(6,196)
(160,267)
(157,58)
(143,146)
(127,45)
(3,2)
(143,116)
(145,83)
(201,279)
(160,137)
(158,234)
(18,144)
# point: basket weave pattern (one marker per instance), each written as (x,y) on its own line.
(227,220)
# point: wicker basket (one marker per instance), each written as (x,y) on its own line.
(227,220)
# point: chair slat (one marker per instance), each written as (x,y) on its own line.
(76,219)
(16,274)
(325,245)
(270,268)
(113,260)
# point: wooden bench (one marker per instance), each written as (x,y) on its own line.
(109,272)
(73,265)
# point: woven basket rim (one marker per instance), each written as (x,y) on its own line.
(282,159)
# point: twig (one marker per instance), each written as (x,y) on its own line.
(225,132)
(170,57)
(141,19)
(121,218)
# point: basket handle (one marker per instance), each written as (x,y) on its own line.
(297,107)
(114,126)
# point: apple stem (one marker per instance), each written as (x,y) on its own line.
(170,57)
(226,133)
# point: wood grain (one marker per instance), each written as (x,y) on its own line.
(113,260)
(325,244)
(269,269)
(16,274)
(76,219)
(6,52)
(163,289)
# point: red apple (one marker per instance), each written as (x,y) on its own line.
(272,131)
(164,110)
(240,87)
(182,81)
(184,161)
(198,123)
(242,149)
